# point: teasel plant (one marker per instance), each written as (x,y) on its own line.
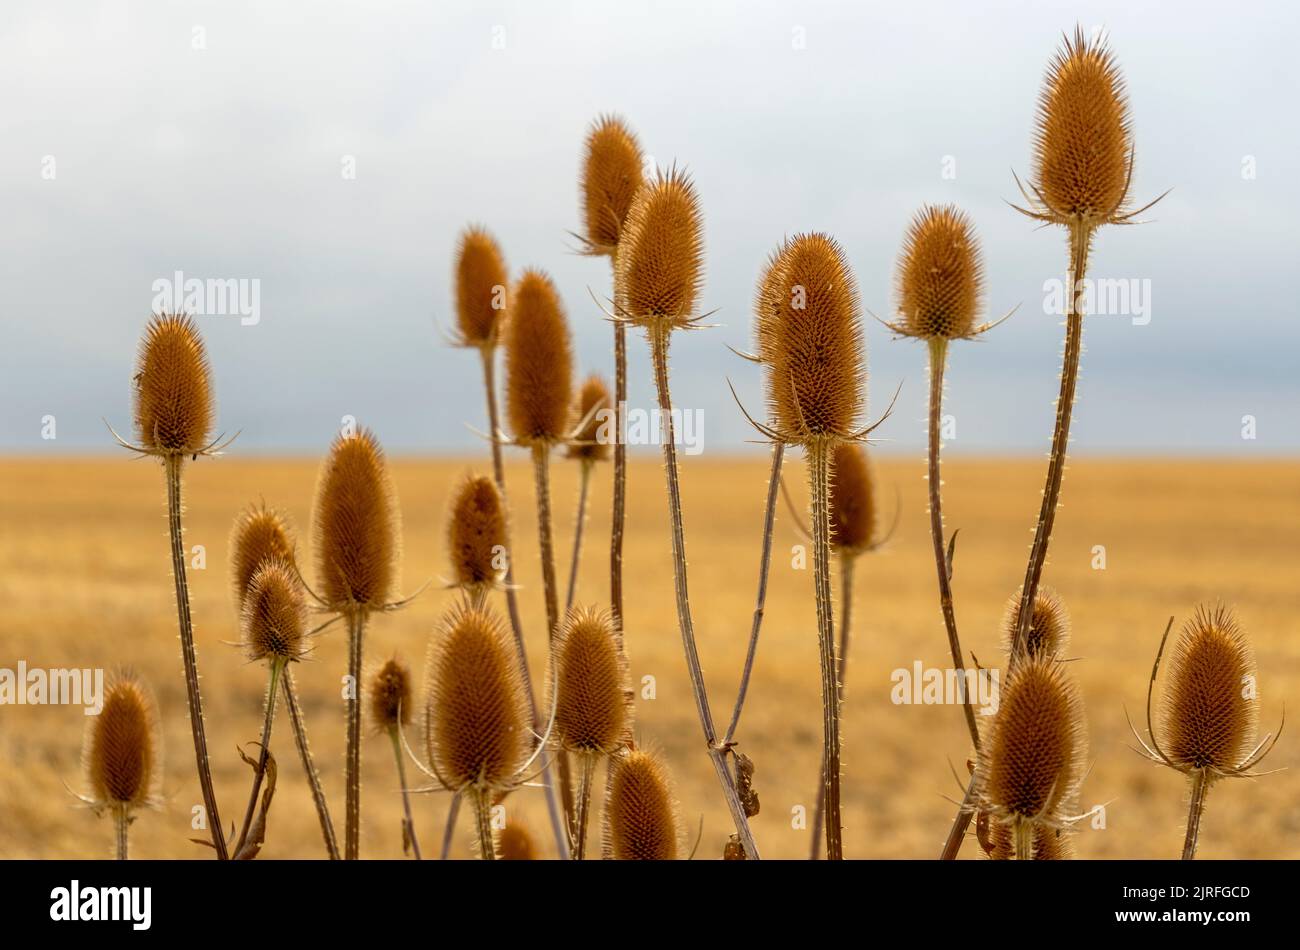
(590,445)
(174,409)
(262,535)
(1208,716)
(390,710)
(659,274)
(122,755)
(641,822)
(611,176)
(593,702)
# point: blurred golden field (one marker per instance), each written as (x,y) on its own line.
(85,582)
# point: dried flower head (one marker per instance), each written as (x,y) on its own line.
(593,706)
(611,175)
(274,616)
(593,410)
(1049,624)
(660,263)
(940,276)
(854,515)
(174,403)
(515,843)
(260,534)
(390,696)
(481,285)
(122,755)
(476,534)
(640,814)
(539,362)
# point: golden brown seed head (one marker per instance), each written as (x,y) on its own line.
(640,814)
(477,715)
(611,176)
(476,534)
(814,347)
(769,298)
(940,275)
(539,361)
(853,500)
(274,616)
(390,695)
(1032,762)
(481,285)
(515,843)
(596,406)
(1083,141)
(593,708)
(260,534)
(1049,624)
(1205,720)
(660,263)
(356,527)
(123,749)
(174,403)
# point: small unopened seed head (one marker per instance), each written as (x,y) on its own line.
(477,713)
(539,362)
(476,535)
(854,513)
(940,275)
(274,617)
(481,285)
(390,696)
(593,708)
(594,410)
(1206,719)
(1049,624)
(515,843)
(122,755)
(640,813)
(174,402)
(611,175)
(356,527)
(260,534)
(660,259)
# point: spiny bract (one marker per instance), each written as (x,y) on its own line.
(174,403)
(539,362)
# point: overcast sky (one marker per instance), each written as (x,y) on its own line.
(216,139)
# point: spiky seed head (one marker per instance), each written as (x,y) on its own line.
(476,534)
(1083,141)
(122,755)
(174,403)
(640,813)
(611,175)
(1206,720)
(593,708)
(814,348)
(515,843)
(594,409)
(660,263)
(356,526)
(853,500)
(477,714)
(481,285)
(1049,844)
(769,297)
(274,616)
(1049,624)
(940,275)
(390,696)
(1031,764)
(539,361)
(260,534)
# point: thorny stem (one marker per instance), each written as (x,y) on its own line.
(409,824)
(619,515)
(957,833)
(448,832)
(1200,787)
(819,476)
(659,353)
(172,466)
(352,827)
(277,665)
(579,523)
(588,769)
(309,766)
(483,823)
(121,820)
(1023,832)
(488,355)
(847,562)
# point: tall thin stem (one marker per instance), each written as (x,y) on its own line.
(309,766)
(587,765)
(717,752)
(121,821)
(172,466)
(1023,832)
(847,562)
(352,827)
(483,824)
(820,485)
(619,515)
(408,824)
(579,523)
(449,830)
(1200,787)
(277,665)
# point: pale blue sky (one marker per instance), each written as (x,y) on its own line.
(225,162)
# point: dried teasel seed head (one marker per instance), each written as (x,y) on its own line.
(1206,720)
(594,410)
(174,403)
(122,754)
(640,813)
(390,696)
(1049,844)
(1031,764)
(515,843)
(813,345)
(593,708)
(356,526)
(660,263)
(854,513)
(274,615)
(611,175)
(1049,624)
(1083,141)
(940,275)
(481,286)
(476,534)
(260,534)
(477,712)
(769,297)
(539,362)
